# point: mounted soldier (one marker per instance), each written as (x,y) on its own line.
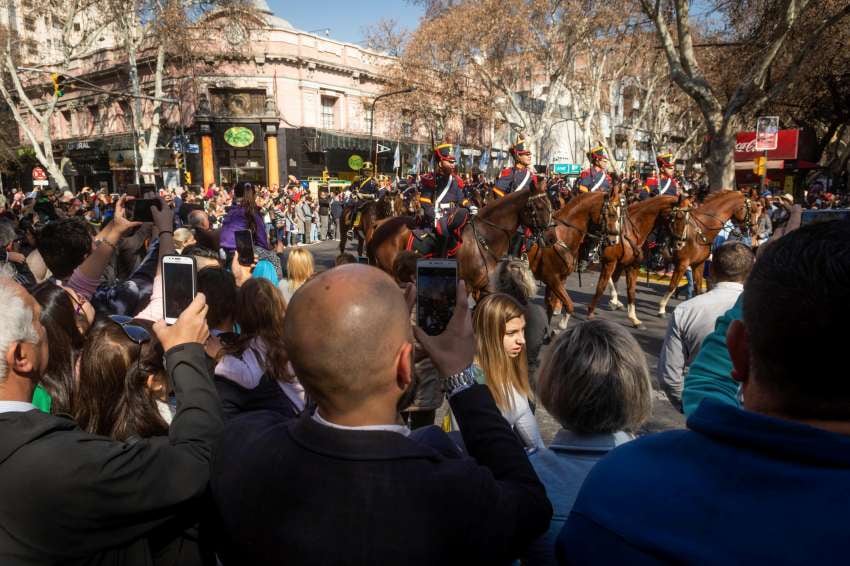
(518,177)
(665,183)
(364,189)
(443,189)
(596,177)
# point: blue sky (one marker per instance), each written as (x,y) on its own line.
(345,19)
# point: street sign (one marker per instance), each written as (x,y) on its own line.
(767,133)
(193,148)
(566,169)
(39,174)
(382,149)
(40,183)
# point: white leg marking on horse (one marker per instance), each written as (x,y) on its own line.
(614,303)
(565,320)
(662,306)
(633,315)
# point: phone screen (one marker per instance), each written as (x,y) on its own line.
(815,216)
(178,280)
(142,209)
(245,246)
(436,288)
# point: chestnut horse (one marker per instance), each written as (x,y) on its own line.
(627,255)
(553,264)
(486,237)
(390,205)
(693,231)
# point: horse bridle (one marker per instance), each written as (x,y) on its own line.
(698,225)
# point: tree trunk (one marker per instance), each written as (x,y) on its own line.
(720,161)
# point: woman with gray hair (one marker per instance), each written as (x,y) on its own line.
(512,277)
(595,382)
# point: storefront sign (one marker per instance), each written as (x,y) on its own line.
(767,133)
(355,162)
(239,136)
(787,143)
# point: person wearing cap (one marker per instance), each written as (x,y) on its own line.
(440,190)
(518,177)
(596,177)
(364,189)
(665,183)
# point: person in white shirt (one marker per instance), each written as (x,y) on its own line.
(694,319)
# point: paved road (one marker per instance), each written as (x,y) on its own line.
(650,336)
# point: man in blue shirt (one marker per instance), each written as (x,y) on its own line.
(766,483)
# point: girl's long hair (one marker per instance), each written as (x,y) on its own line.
(60,324)
(244,191)
(113,398)
(260,311)
(299,267)
(502,373)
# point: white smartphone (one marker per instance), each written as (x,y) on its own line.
(436,293)
(179,285)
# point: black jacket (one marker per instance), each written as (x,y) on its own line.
(69,497)
(298,492)
(266,396)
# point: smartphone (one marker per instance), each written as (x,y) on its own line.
(133,190)
(142,209)
(815,216)
(245,246)
(436,292)
(179,285)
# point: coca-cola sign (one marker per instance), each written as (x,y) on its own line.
(786,147)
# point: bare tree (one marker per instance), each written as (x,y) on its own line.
(758,34)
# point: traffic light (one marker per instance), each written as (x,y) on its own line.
(325,176)
(178,160)
(58,84)
(187,178)
(760,166)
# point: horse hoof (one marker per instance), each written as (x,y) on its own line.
(662,315)
(562,324)
(637,323)
(591,316)
(615,306)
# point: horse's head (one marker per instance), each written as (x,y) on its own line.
(611,215)
(746,216)
(537,212)
(680,222)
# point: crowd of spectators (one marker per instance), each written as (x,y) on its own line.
(285,417)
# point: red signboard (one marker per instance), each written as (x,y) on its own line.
(39,174)
(786,147)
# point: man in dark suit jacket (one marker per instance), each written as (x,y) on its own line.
(349,484)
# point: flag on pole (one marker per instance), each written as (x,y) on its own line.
(396,157)
(417,165)
(485,160)
(457,154)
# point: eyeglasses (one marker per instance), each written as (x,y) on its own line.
(137,334)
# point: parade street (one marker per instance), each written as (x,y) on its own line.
(650,336)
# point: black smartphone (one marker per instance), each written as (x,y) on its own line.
(245,246)
(133,190)
(141,211)
(436,292)
(815,216)
(179,285)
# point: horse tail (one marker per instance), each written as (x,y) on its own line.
(387,229)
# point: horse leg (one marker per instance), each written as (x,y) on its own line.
(568,308)
(552,303)
(343,235)
(698,277)
(614,303)
(631,284)
(604,279)
(674,283)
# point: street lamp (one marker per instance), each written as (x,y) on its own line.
(372,123)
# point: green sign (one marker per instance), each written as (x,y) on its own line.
(355,162)
(239,136)
(566,169)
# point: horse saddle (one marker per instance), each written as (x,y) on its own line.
(444,241)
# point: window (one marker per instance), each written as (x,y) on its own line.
(94,113)
(368,112)
(406,124)
(76,26)
(29,23)
(328,103)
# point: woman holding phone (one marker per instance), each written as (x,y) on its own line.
(243,215)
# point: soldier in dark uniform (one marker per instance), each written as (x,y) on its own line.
(518,177)
(440,190)
(666,183)
(595,177)
(364,189)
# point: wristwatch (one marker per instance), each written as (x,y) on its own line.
(458,382)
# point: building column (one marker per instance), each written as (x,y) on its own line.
(272,162)
(207,166)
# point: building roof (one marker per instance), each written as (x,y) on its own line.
(276,22)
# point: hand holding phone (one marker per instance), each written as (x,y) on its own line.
(245,246)
(141,211)
(190,327)
(436,288)
(179,285)
(454,349)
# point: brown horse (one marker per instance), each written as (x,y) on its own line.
(486,237)
(627,255)
(693,231)
(390,205)
(586,213)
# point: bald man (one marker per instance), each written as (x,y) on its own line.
(349,484)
